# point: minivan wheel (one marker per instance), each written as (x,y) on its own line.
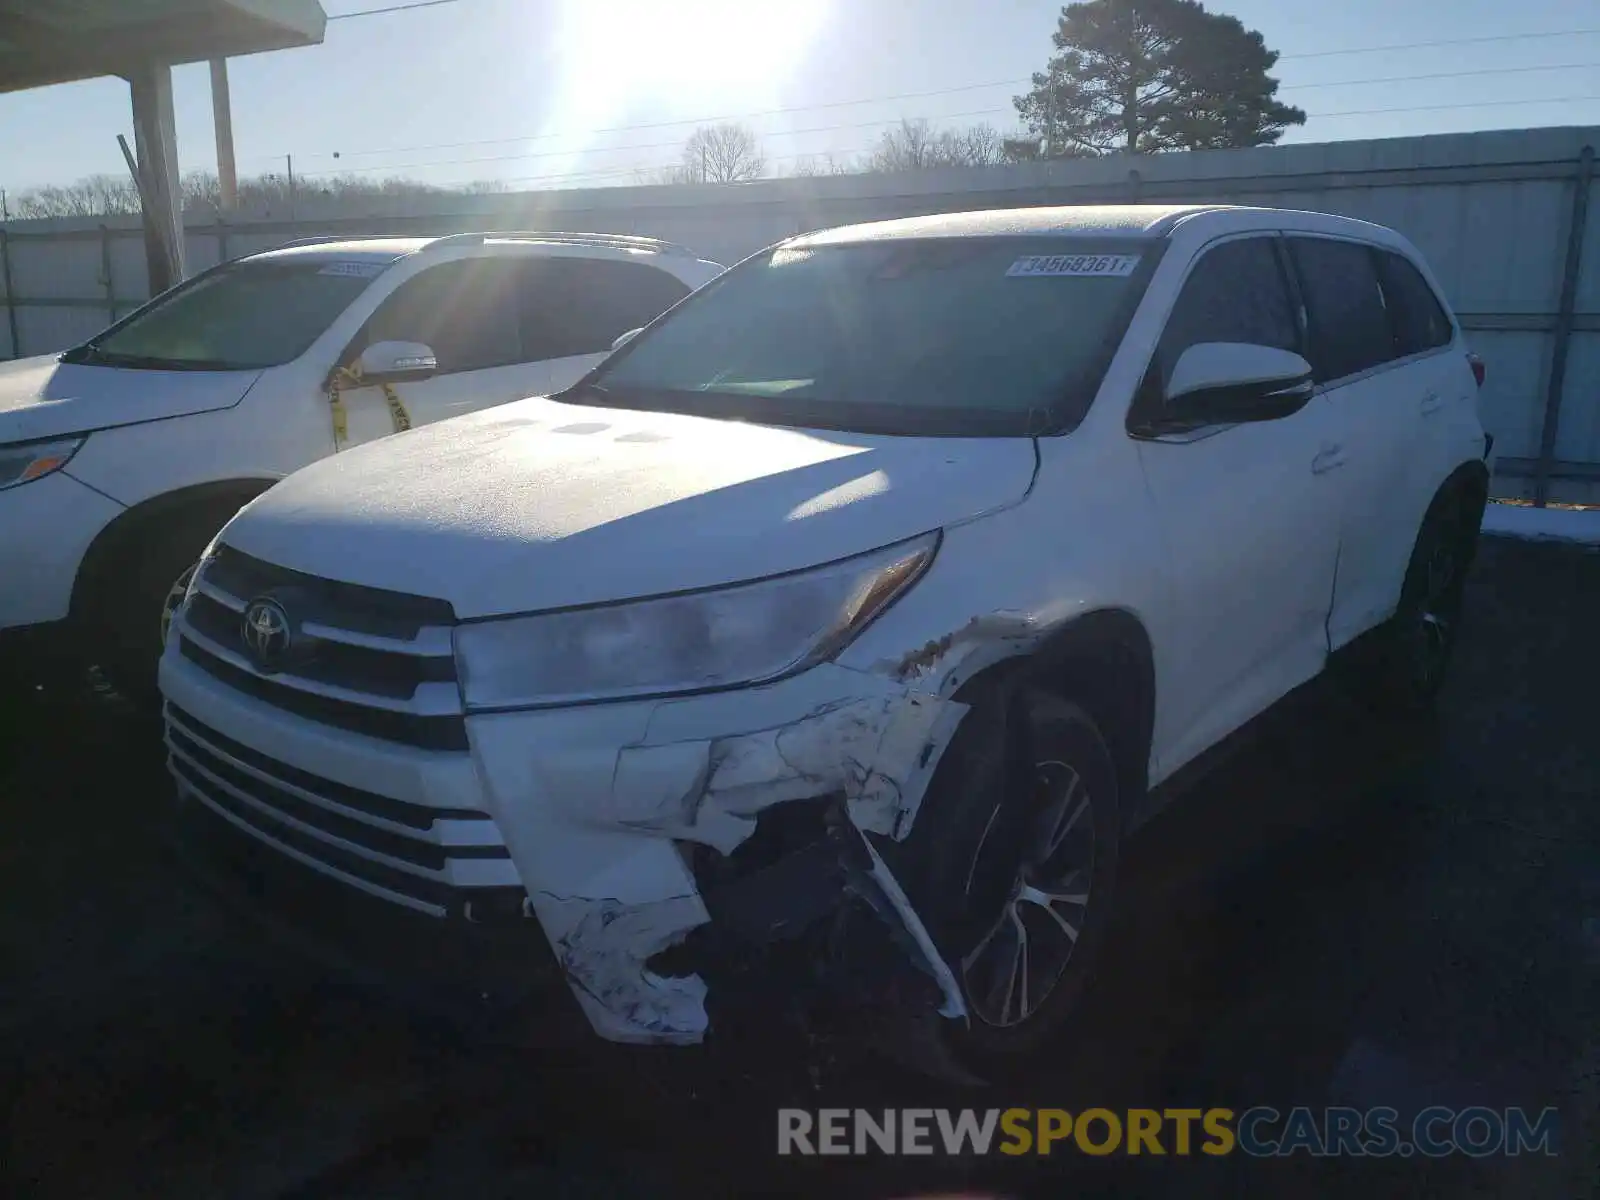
(138,597)
(1015,878)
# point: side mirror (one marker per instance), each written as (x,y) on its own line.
(396,362)
(625,338)
(1215,383)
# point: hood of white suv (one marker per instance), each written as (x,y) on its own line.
(44,397)
(539,504)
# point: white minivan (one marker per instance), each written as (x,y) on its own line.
(857,609)
(122,457)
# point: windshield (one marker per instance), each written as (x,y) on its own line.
(245,316)
(937,336)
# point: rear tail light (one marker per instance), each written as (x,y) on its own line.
(1476,364)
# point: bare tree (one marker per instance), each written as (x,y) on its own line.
(974,146)
(916,145)
(726,153)
(111,195)
(93,196)
(811,166)
(908,147)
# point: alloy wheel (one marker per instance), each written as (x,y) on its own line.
(174,601)
(1015,966)
(1438,608)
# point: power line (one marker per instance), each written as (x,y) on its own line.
(612,172)
(745,116)
(1297,87)
(874,100)
(982,112)
(1366,112)
(1471,41)
(393,8)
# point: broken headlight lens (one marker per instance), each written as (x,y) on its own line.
(696,641)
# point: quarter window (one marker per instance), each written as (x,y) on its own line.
(1349,325)
(1235,293)
(1419,319)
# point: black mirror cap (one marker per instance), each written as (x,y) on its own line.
(1239,403)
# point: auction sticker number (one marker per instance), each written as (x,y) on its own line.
(354,270)
(1082,265)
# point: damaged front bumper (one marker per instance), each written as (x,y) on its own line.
(609,811)
(633,826)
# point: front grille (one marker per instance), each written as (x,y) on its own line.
(430,733)
(441,861)
(347,605)
(370,661)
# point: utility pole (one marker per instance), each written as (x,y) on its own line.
(222,120)
(1050,112)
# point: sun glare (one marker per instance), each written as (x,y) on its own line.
(711,48)
(627,57)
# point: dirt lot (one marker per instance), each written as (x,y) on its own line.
(1343,914)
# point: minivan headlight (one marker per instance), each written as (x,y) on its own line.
(23,462)
(694,641)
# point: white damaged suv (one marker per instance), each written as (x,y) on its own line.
(855,610)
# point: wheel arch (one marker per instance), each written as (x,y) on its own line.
(1103,660)
(122,535)
(1470,481)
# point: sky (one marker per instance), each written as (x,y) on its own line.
(562,93)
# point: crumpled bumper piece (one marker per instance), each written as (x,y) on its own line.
(603,952)
(593,804)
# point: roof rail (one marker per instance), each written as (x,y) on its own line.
(620,241)
(313,241)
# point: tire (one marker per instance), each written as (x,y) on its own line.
(135,599)
(1413,649)
(978,867)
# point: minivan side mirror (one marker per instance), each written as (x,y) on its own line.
(1216,383)
(624,338)
(396,362)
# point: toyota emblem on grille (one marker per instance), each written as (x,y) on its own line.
(266,632)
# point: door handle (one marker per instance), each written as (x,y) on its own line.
(1431,403)
(1327,459)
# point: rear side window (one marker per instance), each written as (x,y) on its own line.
(580,306)
(1419,319)
(465,311)
(1349,325)
(1235,293)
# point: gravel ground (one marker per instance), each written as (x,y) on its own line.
(1342,914)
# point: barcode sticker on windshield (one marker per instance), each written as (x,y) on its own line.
(354,270)
(1075,264)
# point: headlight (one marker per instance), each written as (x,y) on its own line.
(23,462)
(744,634)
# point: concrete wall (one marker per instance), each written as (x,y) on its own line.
(1493,212)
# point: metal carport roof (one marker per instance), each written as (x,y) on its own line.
(45,42)
(57,41)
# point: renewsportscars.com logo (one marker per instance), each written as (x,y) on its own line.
(1259,1132)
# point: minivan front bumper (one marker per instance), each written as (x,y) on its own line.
(605,808)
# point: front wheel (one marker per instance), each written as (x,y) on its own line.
(131,616)
(1014,871)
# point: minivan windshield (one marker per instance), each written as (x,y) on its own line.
(241,317)
(935,336)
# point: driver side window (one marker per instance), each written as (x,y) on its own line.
(1235,293)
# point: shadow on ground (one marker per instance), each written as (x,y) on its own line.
(1343,914)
